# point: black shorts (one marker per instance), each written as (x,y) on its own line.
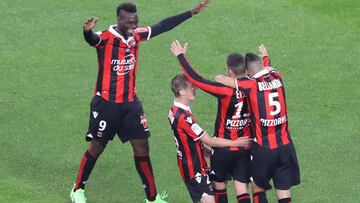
(127,120)
(279,164)
(226,164)
(199,186)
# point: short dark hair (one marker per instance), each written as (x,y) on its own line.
(128,7)
(178,83)
(250,58)
(236,63)
(252,61)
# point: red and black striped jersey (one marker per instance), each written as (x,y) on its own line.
(187,135)
(232,118)
(266,97)
(118,64)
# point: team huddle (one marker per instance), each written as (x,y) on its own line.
(251,144)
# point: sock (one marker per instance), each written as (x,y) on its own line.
(285,200)
(259,197)
(86,166)
(144,168)
(221,196)
(244,198)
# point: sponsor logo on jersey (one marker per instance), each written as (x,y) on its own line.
(125,65)
(273,122)
(237,124)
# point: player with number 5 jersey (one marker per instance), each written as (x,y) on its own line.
(273,152)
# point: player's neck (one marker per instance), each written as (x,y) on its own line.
(121,33)
(184,101)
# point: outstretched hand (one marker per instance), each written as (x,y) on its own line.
(263,51)
(90,23)
(200,7)
(177,49)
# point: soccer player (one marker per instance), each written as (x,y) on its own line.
(273,152)
(232,121)
(189,137)
(115,108)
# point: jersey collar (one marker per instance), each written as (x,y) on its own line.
(114,32)
(261,73)
(180,105)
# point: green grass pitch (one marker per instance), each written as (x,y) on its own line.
(48,74)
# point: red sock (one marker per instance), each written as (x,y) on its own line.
(221,196)
(259,197)
(144,168)
(244,198)
(86,166)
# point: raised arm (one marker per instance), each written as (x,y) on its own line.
(265,56)
(173,21)
(226,80)
(91,38)
(195,78)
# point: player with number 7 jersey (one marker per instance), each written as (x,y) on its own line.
(267,105)
(273,152)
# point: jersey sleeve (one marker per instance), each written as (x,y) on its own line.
(245,84)
(266,61)
(144,33)
(196,79)
(191,127)
(169,23)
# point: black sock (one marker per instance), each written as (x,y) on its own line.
(221,196)
(259,197)
(285,200)
(144,168)
(244,198)
(86,166)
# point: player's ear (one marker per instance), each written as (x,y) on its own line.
(182,92)
(230,72)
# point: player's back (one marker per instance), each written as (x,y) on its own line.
(269,111)
(233,118)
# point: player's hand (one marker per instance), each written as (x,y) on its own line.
(206,149)
(263,51)
(243,141)
(90,23)
(177,49)
(200,7)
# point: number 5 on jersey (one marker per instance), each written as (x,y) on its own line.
(274,103)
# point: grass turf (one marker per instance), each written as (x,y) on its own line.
(48,76)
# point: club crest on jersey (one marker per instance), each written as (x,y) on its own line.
(125,65)
(132,42)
